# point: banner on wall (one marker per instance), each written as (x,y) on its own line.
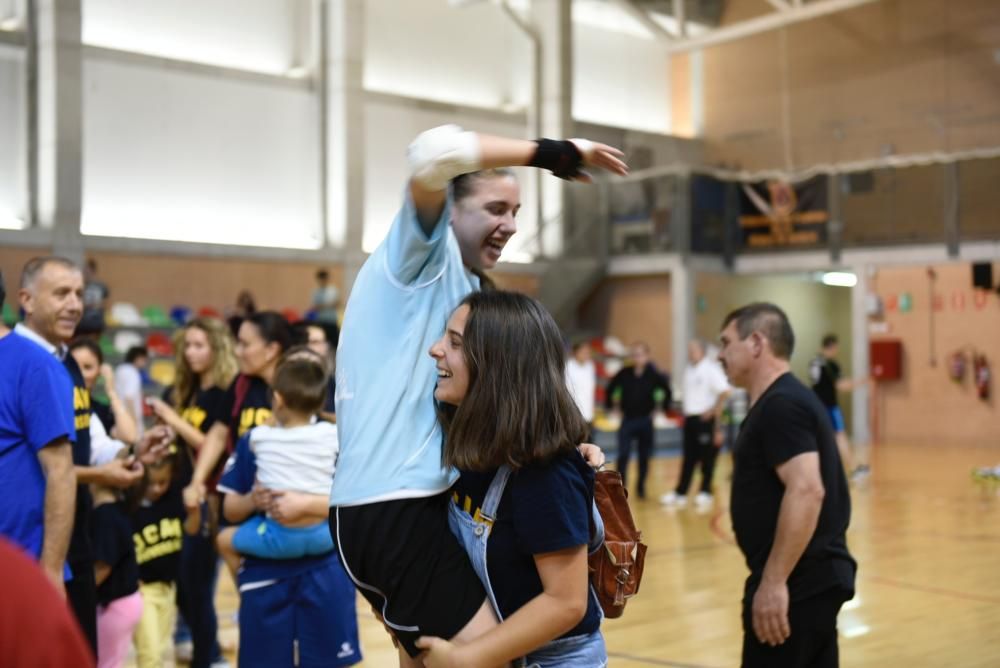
(780,214)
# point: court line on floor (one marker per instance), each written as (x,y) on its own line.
(899,584)
(656,662)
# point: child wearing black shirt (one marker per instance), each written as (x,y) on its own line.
(119,603)
(157,527)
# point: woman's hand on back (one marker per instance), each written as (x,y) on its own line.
(440,653)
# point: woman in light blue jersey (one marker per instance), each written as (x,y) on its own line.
(522,506)
(389,498)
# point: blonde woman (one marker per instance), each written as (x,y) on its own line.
(205,367)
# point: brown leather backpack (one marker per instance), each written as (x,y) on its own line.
(616,568)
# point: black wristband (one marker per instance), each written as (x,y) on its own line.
(562,158)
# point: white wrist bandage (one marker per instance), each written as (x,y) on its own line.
(442,153)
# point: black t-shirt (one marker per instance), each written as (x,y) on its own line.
(203,411)
(104,413)
(112,538)
(637,392)
(824,374)
(254,410)
(158,532)
(788,420)
(80,556)
(543,509)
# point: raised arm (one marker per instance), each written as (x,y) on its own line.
(440,154)
(125,428)
(164,411)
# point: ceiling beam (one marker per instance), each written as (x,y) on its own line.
(640,15)
(764,23)
(680,15)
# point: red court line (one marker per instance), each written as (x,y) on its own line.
(899,584)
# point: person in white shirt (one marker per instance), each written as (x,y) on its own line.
(705,390)
(297,454)
(581,378)
(128,383)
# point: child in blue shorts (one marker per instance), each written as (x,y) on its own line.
(296,454)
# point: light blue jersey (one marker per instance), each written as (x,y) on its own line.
(390,439)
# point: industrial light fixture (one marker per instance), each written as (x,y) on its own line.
(840,279)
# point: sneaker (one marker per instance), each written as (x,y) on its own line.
(184,651)
(703,500)
(860,472)
(673,499)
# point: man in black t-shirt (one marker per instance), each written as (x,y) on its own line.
(824,372)
(790,501)
(632,392)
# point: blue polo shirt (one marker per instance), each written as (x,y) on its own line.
(36,408)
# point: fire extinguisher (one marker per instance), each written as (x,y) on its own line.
(981,370)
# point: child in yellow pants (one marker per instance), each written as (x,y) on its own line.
(158,524)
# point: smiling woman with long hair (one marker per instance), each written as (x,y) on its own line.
(523,502)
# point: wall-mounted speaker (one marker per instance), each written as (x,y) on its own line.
(982,275)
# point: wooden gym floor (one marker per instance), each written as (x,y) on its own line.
(927,539)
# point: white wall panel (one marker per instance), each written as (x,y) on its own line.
(257,35)
(192,157)
(470,55)
(13,183)
(620,80)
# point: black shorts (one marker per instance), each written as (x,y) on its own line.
(405,561)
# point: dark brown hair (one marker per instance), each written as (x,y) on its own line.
(90,345)
(463,185)
(301,382)
(517,410)
(769,320)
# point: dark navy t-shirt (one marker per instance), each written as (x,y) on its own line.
(238,478)
(79,555)
(158,533)
(112,540)
(36,409)
(543,509)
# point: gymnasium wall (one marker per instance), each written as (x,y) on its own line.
(13,187)
(889,77)
(11,262)
(926,405)
(633,308)
(814,310)
(204,281)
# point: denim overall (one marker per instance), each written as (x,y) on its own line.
(585,651)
